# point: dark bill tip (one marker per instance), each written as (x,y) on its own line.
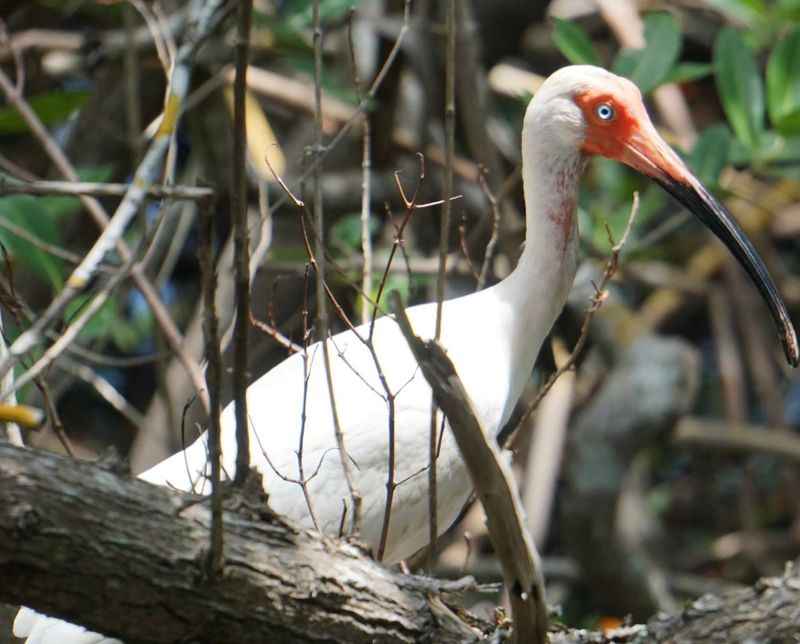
(714,215)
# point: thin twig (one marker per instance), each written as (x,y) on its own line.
(78,188)
(322,307)
(205,18)
(490,246)
(391,484)
(12,431)
(447,190)
(50,249)
(241,244)
(216,557)
(366,164)
(364,104)
(276,335)
(303,414)
(133,114)
(104,389)
(598,300)
(54,417)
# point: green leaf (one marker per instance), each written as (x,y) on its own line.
(60,208)
(52,107)
(685,72)
(711,154)
(29,213)
(651,66)
(43,217)
(740,87)
(299,13)
(346,233)
(742,10)
(663,38)
(783,84)
(104,320)
(789,124)
(626,61)
(574,43)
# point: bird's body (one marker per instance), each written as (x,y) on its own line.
(492,337)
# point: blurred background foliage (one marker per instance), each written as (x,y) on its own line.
(722,518)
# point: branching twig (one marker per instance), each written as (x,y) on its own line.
(205,18)
(364,103)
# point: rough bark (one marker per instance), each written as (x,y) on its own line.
(126,558)
(766,613)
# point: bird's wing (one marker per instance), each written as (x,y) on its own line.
(293,399)
(298,388)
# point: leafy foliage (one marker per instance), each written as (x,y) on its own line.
(51,107)
(45,218)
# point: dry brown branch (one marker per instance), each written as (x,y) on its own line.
(366,193)
(729,359)
(319,266)
(548,439)
(451,35)
(155,542)
(216,555)
(133,111)
(65,523)
(494,485)
(495,230)
(103,388)
(85,188)
(715,434)
(241,252)
(165,322)
(50,249)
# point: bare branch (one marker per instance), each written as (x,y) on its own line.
(241,251)
(216,555)
(444,232)
(78,188)
(204,19)
(494,484)
(319,266)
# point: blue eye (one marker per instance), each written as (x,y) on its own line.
(604,112)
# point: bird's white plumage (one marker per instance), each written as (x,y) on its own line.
(492,337)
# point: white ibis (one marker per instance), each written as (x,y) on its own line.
(492,337)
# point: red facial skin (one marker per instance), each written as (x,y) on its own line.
(629,137)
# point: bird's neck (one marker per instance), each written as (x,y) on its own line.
(536,291)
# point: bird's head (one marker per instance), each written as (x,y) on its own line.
(595,112)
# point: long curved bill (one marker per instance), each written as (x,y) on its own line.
(648,153)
